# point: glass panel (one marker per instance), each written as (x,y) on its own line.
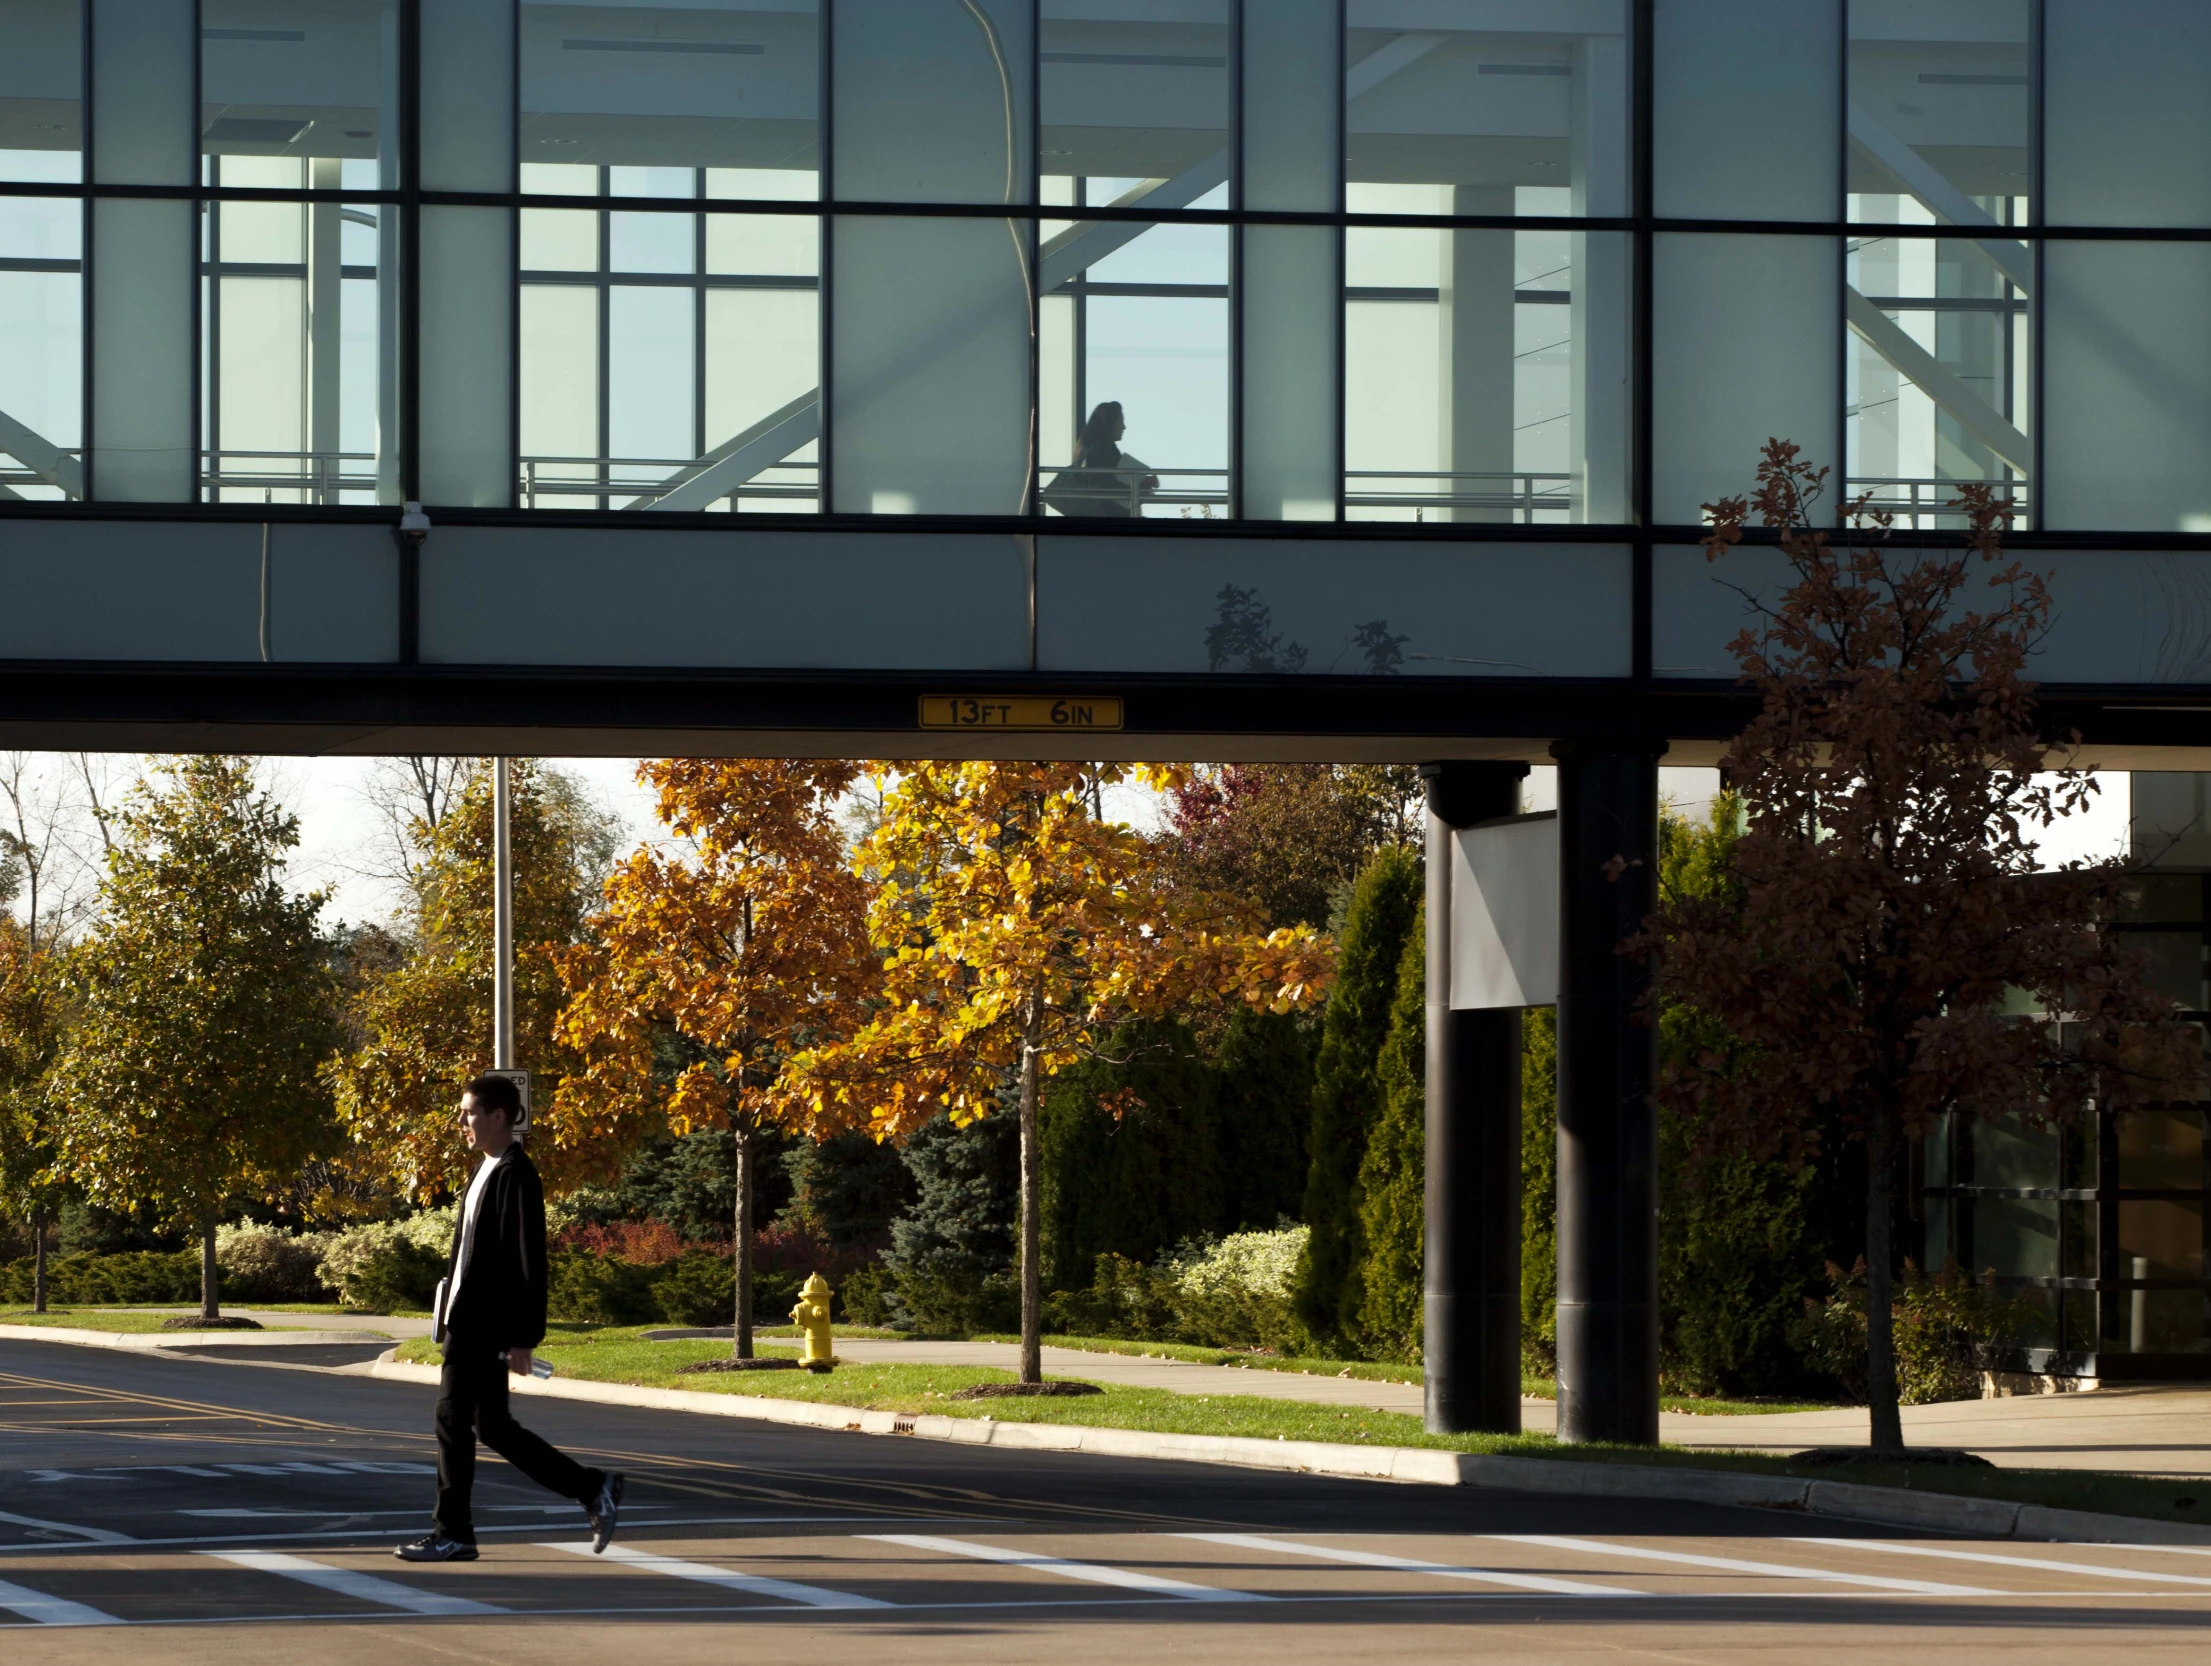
(2161,1150)
(2006,1154)
(1938,370)
(42,347)
(1292,155)
(1772,68)
(2126,130)
(1940,1253)
(2174,964)
(1150,324)
(467,313)
(2034,1318)
(42,97)
(142,57)
(2078,1219)
(1290,361)
(1136,108)
(2166,1322)
(142,351)
(1463,99)
(930,402)
(1482,380)
(2014,1237)
(2158,899)
(2161,1238)
(1937,1149)
(652,371)
(294,78)
(301,378)
(763,350)
(1939,109)
(559,405)
(2082,1144)
(933,101)
(1773,300)
(468,96)
(2080,1321)
(2127,384)
(708,84)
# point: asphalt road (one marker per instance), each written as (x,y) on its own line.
(223,1510)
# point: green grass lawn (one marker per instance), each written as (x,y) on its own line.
(123,1320)
(620,1355)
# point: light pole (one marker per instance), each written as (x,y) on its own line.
(502,919)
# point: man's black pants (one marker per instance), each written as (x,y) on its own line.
(472,1406)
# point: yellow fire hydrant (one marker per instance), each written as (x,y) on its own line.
(812,1316)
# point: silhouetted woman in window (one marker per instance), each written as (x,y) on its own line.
(1105,480)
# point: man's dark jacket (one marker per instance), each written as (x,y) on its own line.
(500,1299)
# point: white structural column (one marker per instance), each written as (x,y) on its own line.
(387,273)
(1474,427)
(502,917)
(325,288)
(1603,279)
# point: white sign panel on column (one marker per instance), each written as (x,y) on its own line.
(1504,913)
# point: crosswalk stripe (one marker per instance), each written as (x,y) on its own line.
(1885,1548)
(346,1582)
(812,1596)
(1406,1564)
(1093,1573)
(1732,1564)
(51,1611)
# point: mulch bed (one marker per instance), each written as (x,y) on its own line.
(1838,1457)
(192,1321)
(736,1365)
(1022,1391)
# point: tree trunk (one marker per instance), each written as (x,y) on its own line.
(38,1258)
(1881,1387)
(741,1259)
(1032,1232)
(211,1285)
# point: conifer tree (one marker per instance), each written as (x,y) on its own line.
(1346,1095)
(1393,1178)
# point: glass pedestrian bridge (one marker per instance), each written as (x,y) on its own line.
(1107,339)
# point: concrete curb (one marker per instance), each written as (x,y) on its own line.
(155,1341)
(1985,1518)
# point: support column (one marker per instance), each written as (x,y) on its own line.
(1476,351)
(502,917)
(1471,1303)
(1607,1065)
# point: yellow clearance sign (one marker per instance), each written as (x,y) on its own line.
(995,711)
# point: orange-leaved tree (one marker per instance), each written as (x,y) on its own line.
(1883,950)
(717,959)
(1019,927)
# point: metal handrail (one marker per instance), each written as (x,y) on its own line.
(1915,500)
(604,479)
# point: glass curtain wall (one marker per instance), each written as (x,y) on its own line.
(1278,261)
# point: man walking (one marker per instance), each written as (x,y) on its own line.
(493,1314)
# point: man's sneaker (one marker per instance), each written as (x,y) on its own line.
(436,1547)
(604,1509)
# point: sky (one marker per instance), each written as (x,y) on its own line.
(338,827)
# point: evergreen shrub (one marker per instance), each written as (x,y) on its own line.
(1949,1330)
(130,1278)
(261,1263)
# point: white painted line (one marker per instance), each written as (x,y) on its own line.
(90,1535)
(347,1583)
(51,1611)
(1882,1547)
(1405,1564)
(285,1535)
(1778,1570)
(1127,1578)
(784,1590)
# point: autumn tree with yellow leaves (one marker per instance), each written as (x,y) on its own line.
(716,960)
(1019,927)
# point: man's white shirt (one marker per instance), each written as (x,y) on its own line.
(469,1208)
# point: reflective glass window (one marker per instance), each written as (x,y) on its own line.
(42,92)
(1465,95)
(2127,386)
(300,78)
(2126,137)
(930,398)
(1939,110)
(2164,1321)
(670,358)
(2161,1238)
(2161,1150)
(1485,372)
(935,103)
(298,323)
(142,259)
(2014,1237)
(1938,370)
(1772,69)
(2006,1153)
(1136,335)
(711,84)
(1135,103)
(42,347)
